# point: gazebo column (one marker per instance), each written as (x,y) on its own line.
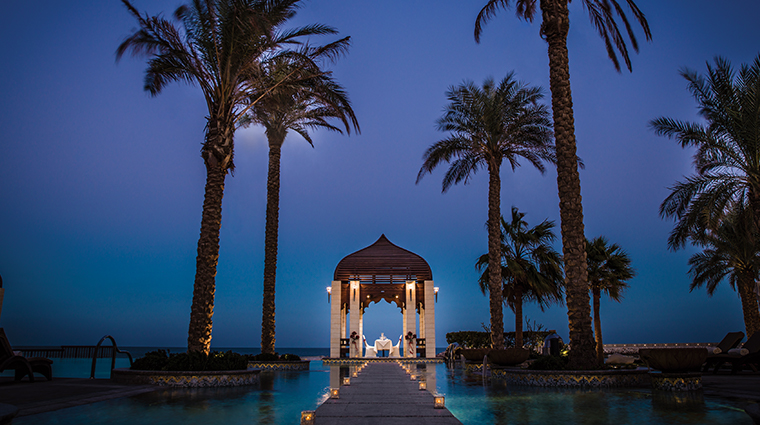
(422,334)
(361,331)
(355,317)
(343,314)
(337,317)
(429,319)
(410,318)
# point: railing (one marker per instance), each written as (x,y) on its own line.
(66,352)
(634,348)
(114,350)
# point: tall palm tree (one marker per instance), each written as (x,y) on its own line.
(531,270)
(220,46)
(555,23)
(727,156)
(730,251)
(609,267)
(308,104)
(488,125)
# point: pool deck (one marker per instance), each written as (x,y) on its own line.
(44,396)
(381,389)
(383,393)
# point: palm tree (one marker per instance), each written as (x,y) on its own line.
(488,125)
(220,46)
(531,270)
(309,104)
(609,267)
(555,23)
(730,250)
(727,154)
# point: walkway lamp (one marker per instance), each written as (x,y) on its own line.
(334,392)
(307,417)
(439,401)
(423,385)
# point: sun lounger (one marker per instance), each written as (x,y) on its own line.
(736,358)
(731,340)
(22,365)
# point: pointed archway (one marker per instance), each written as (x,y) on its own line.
(382,272)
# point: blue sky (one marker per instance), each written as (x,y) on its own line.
(102,185)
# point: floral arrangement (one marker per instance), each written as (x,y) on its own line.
(410,337)
(355,339)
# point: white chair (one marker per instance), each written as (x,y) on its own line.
(395,349)
(369,351)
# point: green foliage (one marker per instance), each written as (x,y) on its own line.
(265,357)
(154,360)
(532,340)
(290,358)
(269,357)
(609,267)
(549,363)
(192,361)
(469,339)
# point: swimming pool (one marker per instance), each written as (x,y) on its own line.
(282,395)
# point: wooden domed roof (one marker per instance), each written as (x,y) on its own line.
(383,262)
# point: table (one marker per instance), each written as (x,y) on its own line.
(383,346)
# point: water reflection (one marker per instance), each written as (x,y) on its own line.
(500,403)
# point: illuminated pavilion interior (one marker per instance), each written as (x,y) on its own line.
(382,272)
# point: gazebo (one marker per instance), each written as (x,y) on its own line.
(382,271)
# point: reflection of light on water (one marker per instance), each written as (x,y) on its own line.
(325,395)
(465,396)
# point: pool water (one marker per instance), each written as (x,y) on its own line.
(282,395)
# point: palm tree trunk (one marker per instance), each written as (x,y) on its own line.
(598,326)
(494,254)
(754,202)
(749,304)
(518,318)
(555,25)
(270,244)
(202,310)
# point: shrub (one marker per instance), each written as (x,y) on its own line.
(194,361)
(549,363)
(532,340)
(291,357)
(265,357)
(154,360)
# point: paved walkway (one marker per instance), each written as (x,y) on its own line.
(44,396)
(744,385)
(382,394)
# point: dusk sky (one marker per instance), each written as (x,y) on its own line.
(102,185)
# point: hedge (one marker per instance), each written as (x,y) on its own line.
(532,340)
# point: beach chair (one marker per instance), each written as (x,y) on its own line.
(747,355)
(369,351)
(730,341)
(22,365)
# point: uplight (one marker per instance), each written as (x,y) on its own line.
(334,392)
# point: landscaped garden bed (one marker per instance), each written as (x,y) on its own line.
(189,370)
